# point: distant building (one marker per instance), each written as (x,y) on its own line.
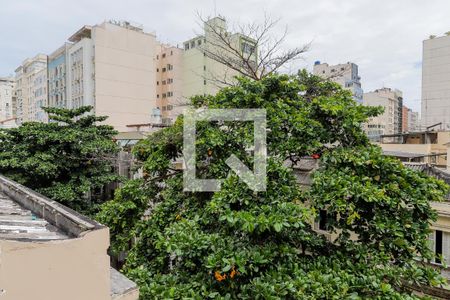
(26,87)
(125,74)
(390,121)
(40,98)
(436,82)
(410,120)
(413,121)
(169,84)
(7,99)
(112,67)
(345,75)
(203,75)
(423,146)
(57,76)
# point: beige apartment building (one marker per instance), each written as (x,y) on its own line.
(169,84)
(424,146)
(126,74)
(390,121)
(49,252)
(26,87)
(436,82)
(112,67)
(346,75)
(7,100)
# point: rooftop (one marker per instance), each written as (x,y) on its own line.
(19,223)
(27,215)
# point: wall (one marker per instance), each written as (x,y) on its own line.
(70,269)
(436,82)
(125,77)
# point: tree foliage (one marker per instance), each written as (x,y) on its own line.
(240,244)
(63,159)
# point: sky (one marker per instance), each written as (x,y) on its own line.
(383,37)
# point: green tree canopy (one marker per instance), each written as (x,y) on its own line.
(63,159)
(240,244)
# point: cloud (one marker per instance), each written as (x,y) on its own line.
(383,37)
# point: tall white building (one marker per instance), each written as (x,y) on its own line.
(436,82)
(26,87)
(7,100)
(390,121)
(345,75)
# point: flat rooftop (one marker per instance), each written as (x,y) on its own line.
(29,216)
(19,223)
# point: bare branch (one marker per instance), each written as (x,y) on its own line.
(252,50)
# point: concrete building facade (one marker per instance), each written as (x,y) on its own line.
(25,87)
(57,76)
(390,121)
(40,97)
(345,75)
(436,82)
(169,84)
(7,98)
(111,66)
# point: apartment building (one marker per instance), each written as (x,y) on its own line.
(436,81)
(203,75)
(413,121)
(27,86)
(345,75)
(40,99)
(126,74)
(7,98)
(169,84)
(423,146)
(57,76)
(390,121)
(112,67)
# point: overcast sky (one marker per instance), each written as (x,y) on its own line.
(384,37)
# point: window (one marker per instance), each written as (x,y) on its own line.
(204,82)
(157,56)
(163,108)
(199,42)
(157,69)
(157,96)
(157,83)
(163,82)
(169,67)
(164,95)
(193,44)
(163,69)
(171,52)
(169,80)
(248,48)
(438,246)
(204,68)
(164,55)
(169,94)
(186,46)
(169,107)
(323,219)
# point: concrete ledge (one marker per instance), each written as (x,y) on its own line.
(60,216)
